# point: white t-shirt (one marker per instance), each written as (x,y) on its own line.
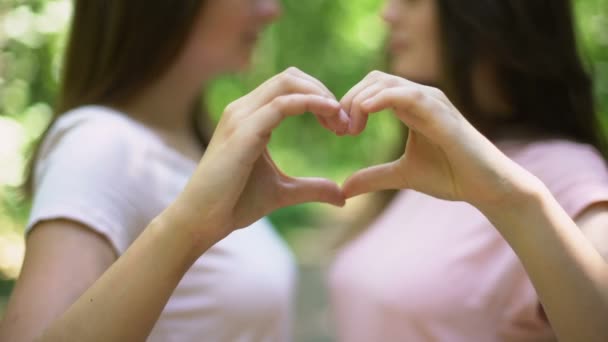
(100,168)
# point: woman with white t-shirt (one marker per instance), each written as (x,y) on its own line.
(122,213)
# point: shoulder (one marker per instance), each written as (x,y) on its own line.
(557,157)
(93,141)
(576,173)
(94,129)
(557,150)
(90,169)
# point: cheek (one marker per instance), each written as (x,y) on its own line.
(224,32)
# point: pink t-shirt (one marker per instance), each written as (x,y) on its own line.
(433,270)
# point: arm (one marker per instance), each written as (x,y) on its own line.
(124,302)
(65,258)
(570,276)
(446,157)
(594,224)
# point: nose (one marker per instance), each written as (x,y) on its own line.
(268,10)
(390,12)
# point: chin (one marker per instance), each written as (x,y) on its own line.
(413,73)
(242,63)
(235,66)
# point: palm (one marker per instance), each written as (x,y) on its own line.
(259,197)
(425,167)
(467,167)
(268,189)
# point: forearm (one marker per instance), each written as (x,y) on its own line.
(126,301)
(570,276)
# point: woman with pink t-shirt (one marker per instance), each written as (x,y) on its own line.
(486,219)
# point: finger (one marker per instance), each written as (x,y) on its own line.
(267,118)
(294,81)
(323,122)
(414,107)
(290,81)
(347,99)
(342,128)
(282,84)
(254,131)
(358,116)
(304,190)
(340,124)
(299,73)
(376,178)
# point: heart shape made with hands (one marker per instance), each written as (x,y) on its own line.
(441,158)
(435,127)
(356,115)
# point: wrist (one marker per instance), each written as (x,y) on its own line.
(521,216)
(527,195)
(198,234)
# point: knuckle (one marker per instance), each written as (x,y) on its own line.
(436,92)
(283,77)
(286,81)
(417,94)
(230,109)
(392,81)
(280,102)
(358,100)
(293,70)
(375,74)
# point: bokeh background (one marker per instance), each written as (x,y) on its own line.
(338,41)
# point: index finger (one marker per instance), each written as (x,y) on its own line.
(291,81)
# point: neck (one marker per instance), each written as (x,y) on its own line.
(166,104)
(166,107)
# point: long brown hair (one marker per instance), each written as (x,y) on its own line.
(116,47)
(532,44)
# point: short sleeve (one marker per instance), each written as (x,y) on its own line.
(576,174)
(87,171)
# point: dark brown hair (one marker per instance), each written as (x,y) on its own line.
(532,44)
(116,47)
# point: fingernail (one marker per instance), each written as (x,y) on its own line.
(344,117)
(339,204)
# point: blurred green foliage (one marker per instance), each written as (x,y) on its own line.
(338,41)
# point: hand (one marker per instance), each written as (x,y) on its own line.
(445,156)
(237,182)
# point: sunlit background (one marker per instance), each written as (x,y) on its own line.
(338,41)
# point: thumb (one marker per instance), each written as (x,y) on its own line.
(304,190)
(375,178)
